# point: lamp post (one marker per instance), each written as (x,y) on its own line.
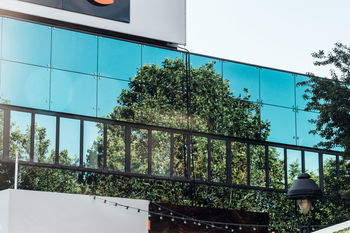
(304,191)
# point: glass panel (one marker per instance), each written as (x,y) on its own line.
(73,93)
(118,59)
(199,151)
(139,151)
(109,91)
(157,56)
(293,165)
(93,144)
(312,165)
(74,51)
(160,153)
(116,147)
(18,82)
(20,135)
(282,121)
(257,166)
(303,128)
(197,61)
(218,161)
(300,91)
(69,142)
(26,42)
(243,80)
(2,133)
(329,168)
(277,87)
(239,163)
(180,155)
(276,167)
(45,139)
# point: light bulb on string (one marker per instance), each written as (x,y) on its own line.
(172,219)
(212,226)
(161,217)
(232,230)
(240,228)
(199,223)
(254,229)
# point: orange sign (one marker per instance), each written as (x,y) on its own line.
(104,2)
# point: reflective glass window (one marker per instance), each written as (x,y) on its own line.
(20,135)
(282,123)
(1,133)
(25,85)
(257,166)
(109,91)
(157,56)
(45,139)
(118,59)
(277,88)
(180,155)
(218,161)
(116,147)
(305,138)
(276,167)
(139,151)
(199,146)
(197,61)
(160,153)
(73,93)
(26,42)
(293,165)
(300,91)
(312,165)
(243,80)
(69,142)
(239,163)
(93,145)
(74,51)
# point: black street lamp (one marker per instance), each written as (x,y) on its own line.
(304,190)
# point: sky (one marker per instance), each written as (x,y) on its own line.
(274,33)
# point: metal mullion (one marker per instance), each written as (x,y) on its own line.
(209,159)
(337,166)
(188,152)
(303,161)
(149,146)
(6,134)
(228,162)
(81,143)
(127,148)
(57,149)
(32,135)
(320,171)
(285,168)
(267,168)
(105,146)
(248,164)
(171,154)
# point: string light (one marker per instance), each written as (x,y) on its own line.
(232,230)
(161,217)
(240,228)
(199,223)
(172,219)
(254,228)
(226,227)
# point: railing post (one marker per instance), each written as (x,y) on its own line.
(32,137)
(6,141)
(228,162)
(127,148)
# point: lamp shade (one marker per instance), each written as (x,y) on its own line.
(304,188)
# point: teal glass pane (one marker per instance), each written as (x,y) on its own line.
(218,161)
(26,42)
(118,59)
(1,133)
(20,135)
(282,123)
(257,166)
(74,51)
(139,151)
(25,85)
(45,139)
(198,61)
(276,167)
(116,147)
(300,91)
(69,142)
(108,92)
(243,80)
(239,163)
(93,145)
(199,146)
(157,56)
(160,153)
(180,155)
(293,165)
(303,128)
(277,88)
(73,93)
(312,165)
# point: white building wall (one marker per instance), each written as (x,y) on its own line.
(44,212)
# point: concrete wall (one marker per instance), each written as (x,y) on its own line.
(163,20)
(43,212)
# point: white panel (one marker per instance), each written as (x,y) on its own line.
(163,20)
(4,211)
(43,212)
